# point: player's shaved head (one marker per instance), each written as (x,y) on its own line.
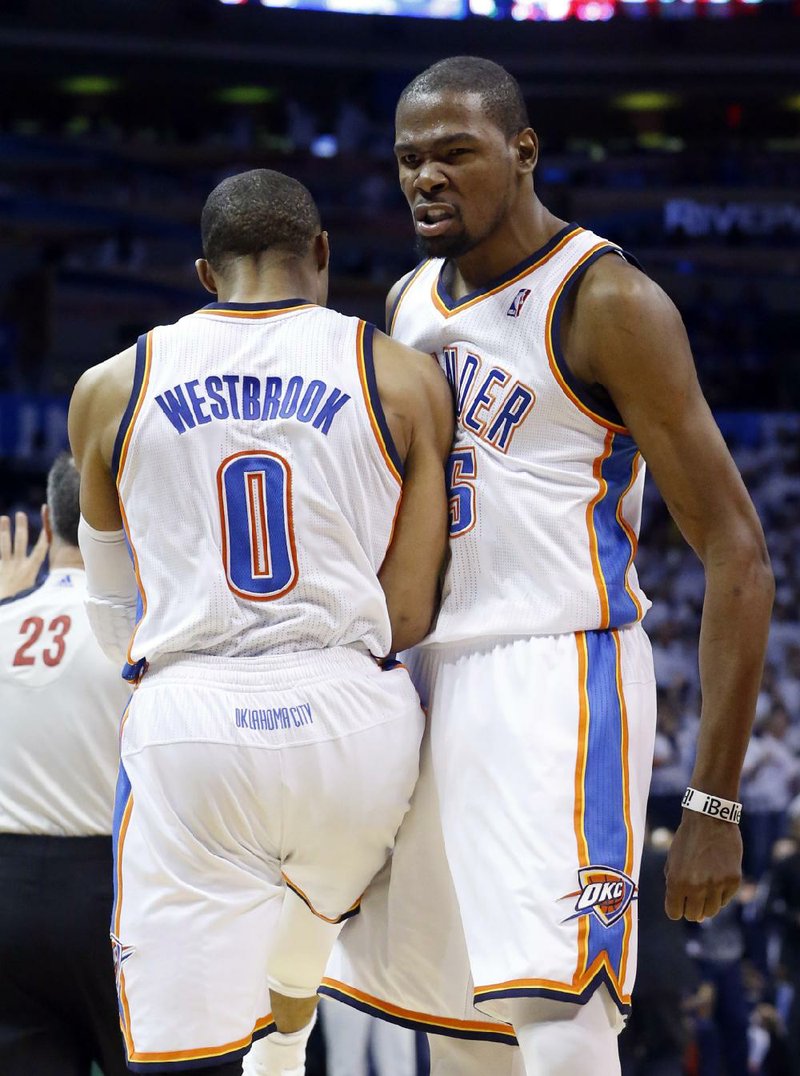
(499,92)
(63,498)
(257,212)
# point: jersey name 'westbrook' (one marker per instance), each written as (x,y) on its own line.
(232,396)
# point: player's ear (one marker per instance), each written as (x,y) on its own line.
(48,530)
(527,145)
(206,275)
(322,251)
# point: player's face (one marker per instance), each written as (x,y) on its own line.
(457,171)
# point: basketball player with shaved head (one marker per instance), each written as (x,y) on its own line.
(252,458)
(570,370)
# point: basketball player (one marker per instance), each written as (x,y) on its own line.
(60,705)
(569,369)
(254,455)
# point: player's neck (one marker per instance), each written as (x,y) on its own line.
(521,234)
(272,284)
(63,556)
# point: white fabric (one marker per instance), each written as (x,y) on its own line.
(111,587)
(538,765)
(546,502)
(465,1057)
(60,705)
(301,949)
(560,1044)
(243,775)
(279,1054)
(283,555)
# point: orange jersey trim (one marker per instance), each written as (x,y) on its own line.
(576,987)
(550,345)
(630,534)
(459,307)
(404,289)
(373,420)
(479,1026)
(594,552)
(202,1051)
(254,315)
(305,899)
(579,809)
(626,801)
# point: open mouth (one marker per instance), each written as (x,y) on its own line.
(434,218)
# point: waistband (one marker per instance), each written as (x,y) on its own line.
(40,846)
(275,671)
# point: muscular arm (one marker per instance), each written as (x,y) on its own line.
(95,414)
(626,335)
(419,410)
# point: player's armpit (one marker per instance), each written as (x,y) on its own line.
(419,408)
(95,413)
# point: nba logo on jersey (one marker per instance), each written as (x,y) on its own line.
(518,302)
(605,892)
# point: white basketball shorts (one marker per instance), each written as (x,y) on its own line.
(238,779)
(537,765)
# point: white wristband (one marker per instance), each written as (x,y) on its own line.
(713,806)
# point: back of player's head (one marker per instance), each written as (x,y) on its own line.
(257,212)
(499,91)
(63,498)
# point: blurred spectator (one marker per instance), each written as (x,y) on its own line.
(784,905)
(770,778)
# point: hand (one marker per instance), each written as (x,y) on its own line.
(704,867)
(18,571)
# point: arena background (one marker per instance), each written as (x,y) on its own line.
(670,126)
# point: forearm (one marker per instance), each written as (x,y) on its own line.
(733,640)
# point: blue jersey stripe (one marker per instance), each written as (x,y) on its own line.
(613,545)
(138,377)
(604,814)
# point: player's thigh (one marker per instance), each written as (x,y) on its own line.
(198,898)
(344,798)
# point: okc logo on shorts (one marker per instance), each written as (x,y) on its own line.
(604,893)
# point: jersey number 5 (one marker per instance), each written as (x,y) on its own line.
(255,505)
(462,470)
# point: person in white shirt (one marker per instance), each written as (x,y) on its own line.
(60,704)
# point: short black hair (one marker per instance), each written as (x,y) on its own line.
(256,211)
(64,498)
(499,91)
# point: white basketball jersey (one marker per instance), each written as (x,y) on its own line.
(545,481)
(258,483)
(61,701)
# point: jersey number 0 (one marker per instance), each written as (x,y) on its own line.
(255,504)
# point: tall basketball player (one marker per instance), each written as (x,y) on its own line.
(253,457)
(570,369)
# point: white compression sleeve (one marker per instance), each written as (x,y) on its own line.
(112,589)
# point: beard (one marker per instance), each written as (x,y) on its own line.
(445,246)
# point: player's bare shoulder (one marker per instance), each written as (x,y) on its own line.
(99,401)
(620,322)
(414,391)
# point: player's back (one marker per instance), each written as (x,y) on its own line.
(258,483)
(60,704)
